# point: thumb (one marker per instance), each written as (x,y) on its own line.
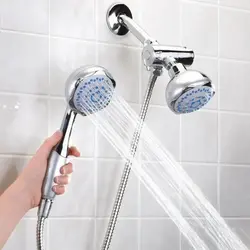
(49,143)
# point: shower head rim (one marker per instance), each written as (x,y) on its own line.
(78,76)
(175,90)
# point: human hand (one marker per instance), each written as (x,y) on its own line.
(33,175)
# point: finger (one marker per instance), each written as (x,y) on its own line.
(50,142)
(67,169)
(59,190)
(62,180)
(74,152)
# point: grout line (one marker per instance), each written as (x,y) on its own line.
(30,218)
(49,73)
(180,129)
(20,32)
(96,135)
(227,7)
(205,164)
(49,111)
(140,98)
(219,121)
(232,60)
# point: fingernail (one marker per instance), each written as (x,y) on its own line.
(63,171)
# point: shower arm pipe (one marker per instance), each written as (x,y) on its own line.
(154,52)
(136,30)
(133,148)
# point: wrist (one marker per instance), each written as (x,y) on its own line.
(20,192)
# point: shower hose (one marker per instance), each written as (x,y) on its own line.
(125,175)
(40,233)
(127,169)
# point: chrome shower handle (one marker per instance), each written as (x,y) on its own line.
(57,158)
(55,162)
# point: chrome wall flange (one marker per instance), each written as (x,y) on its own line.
(113,18)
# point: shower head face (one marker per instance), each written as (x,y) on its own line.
(189,91)
(89,89)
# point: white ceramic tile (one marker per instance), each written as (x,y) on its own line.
(83,134)
(242,4)
(25,15)
(202,230)
(103,32)
(159,234)
(24,123)
(232,98)
(65,57)
(165,125)
(200,28)
(199,137)
(234,46)
(22,238)
(72,18)
(24,67)
(241,227)
(235,139)
(124,64)
(79,200)
(157,16)
(125,234)
(234,195)
(105,148)
(149,205)
(10,169)
(205,177)
(68,233)
(209,67)
(108,180)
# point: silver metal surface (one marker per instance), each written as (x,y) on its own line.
(126,172)
(40,233)
(55,162)
(44,208)
(78,76)
(135,29)
(155,54)
(119,16)
(113,21)
(58,156)
(66,128)
(189,85)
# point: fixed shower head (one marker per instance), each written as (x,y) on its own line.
(188,90)
(89,89)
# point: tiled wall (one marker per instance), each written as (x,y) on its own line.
(43,41)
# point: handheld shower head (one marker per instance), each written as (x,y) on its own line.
(188,90)
(87,87)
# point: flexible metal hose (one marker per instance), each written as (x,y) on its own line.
(40,233)
(128,164)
